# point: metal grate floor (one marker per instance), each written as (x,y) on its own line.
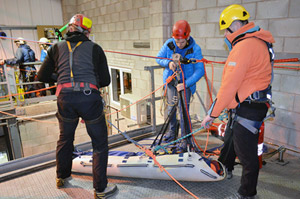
(276,181)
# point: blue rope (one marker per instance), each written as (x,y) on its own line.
(125,135)
(159,146)
(163,146)
(223,116)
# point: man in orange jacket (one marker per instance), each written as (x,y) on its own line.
(245,91)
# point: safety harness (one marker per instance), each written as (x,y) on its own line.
(76,86)
(263,96)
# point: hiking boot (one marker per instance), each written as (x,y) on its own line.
(108,191)
(60,182)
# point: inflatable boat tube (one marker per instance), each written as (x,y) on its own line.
(183,167)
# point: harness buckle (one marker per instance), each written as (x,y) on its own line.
(87,89)
(255,95)
(76,86)
(233,116)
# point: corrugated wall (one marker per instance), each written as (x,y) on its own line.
(22,16)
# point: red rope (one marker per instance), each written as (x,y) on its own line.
(186,109)
(290,68)
(286,60)
(132,54)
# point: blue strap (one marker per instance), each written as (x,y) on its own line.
(251,125)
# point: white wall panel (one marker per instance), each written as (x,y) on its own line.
(24,13)
(37,12)
(6,44)
(12,13)
(30,12)
(57,12)
(2,13)
(47,12)
(27,13)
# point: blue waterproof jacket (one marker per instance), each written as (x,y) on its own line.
(193,71)
(23,54)
(43,55)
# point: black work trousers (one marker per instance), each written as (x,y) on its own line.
(242,143)
(71,106)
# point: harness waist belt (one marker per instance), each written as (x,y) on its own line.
(69,85)
(260,96)
(76,86)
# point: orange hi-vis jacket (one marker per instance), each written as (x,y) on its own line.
(247,68)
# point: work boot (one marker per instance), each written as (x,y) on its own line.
(60,182)
(239,196)
(167,139)
(108,191)
(178,149)
(229,174)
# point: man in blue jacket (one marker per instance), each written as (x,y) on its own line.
(181,43)
(24,54)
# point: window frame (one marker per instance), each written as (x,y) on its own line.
(122,70)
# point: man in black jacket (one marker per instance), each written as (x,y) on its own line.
(80,67)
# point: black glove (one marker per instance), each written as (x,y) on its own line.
(185,60)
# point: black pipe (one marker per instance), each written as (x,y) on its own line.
(27,165)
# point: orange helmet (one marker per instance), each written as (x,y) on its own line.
(81,21)
(181,30)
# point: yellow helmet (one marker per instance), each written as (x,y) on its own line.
(232,13)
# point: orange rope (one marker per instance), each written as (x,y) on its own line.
(35,91)
(207,138)
(150,154)
(139,99)
(207,84)
(26,118)
(212,79)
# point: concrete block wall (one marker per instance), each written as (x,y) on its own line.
(120,23)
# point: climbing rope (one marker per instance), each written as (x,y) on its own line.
(151,154)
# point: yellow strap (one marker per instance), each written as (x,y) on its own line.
(71,50)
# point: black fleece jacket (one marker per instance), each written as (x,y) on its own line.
(89,62)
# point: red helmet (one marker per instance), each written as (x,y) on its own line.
(181,30)
(82,21)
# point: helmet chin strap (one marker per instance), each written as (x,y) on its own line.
(229,30)
(80,29)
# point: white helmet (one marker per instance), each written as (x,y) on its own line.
(20,40)
(44,40)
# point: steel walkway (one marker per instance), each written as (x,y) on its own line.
(276,181)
